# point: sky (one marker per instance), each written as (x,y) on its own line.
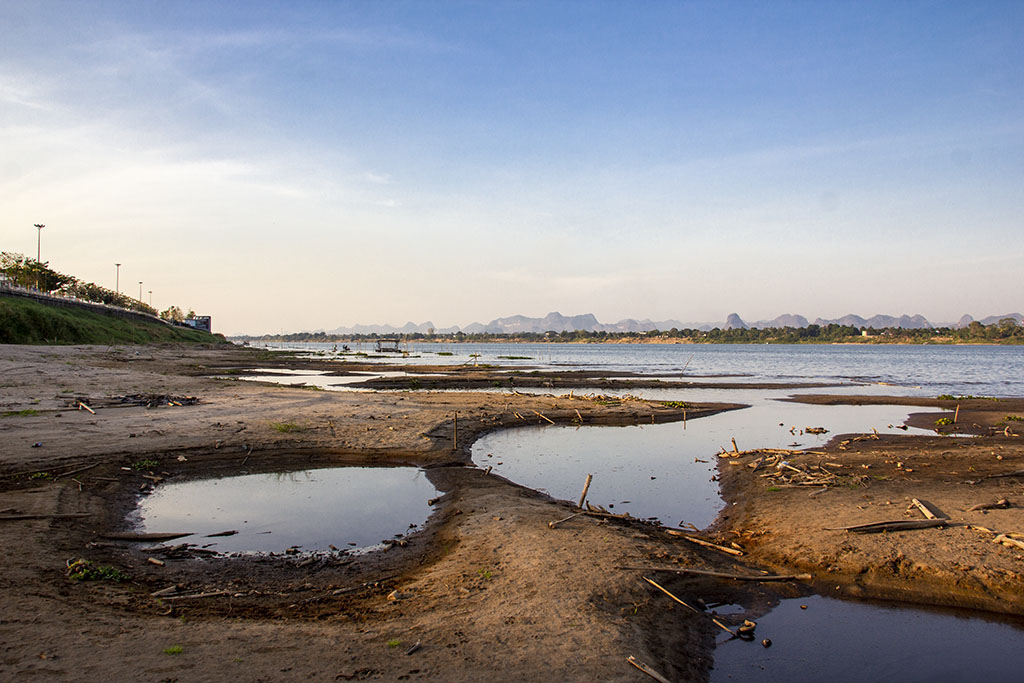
(306,165)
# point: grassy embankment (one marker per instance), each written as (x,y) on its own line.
(23,321)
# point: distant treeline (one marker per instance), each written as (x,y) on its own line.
(1006,331)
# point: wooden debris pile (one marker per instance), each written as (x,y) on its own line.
(781,470)
(146,400)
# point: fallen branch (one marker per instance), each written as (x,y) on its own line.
(1018,473)
(1004,539)
(80,469)
(82,406)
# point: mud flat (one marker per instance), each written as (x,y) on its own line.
(486,585)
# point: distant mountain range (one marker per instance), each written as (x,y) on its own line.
(556,322)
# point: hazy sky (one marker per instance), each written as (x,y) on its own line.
(290,166)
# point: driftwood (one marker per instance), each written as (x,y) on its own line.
(222,533)
(690,607)
(82,405)
(1000,504)
(895,525)
(706,544)
(1005,539)
(134,536)
(164,592)
(726,575)
(647,670)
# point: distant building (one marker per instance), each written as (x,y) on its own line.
(200,322)
(388,345)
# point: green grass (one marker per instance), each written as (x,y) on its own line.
(24,321)
(1014,418)
(394,642)
(675,404)
(174,650)
(28,412)
(950,397)
(144,465)
(286,427)
(944,422)
(84,570)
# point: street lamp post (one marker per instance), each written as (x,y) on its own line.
(39,244)
(117,282)
(151,297)
(39,239)
(140,291)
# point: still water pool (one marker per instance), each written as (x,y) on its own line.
(347,507)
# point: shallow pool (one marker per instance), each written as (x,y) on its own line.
(347,507)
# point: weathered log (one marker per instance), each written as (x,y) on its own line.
(690,607)
(1000,504)
(586,487)
(928,510)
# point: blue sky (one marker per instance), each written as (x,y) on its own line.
(303,165)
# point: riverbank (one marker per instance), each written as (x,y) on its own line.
(487,585)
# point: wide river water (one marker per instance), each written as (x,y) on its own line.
(924,370)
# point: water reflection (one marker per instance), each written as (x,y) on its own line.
(347,507)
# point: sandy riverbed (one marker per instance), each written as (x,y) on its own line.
(486,588)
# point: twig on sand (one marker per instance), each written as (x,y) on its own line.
(706,544)
(690,607)
(552,525)
(586,487)
(544,417)
(647,670)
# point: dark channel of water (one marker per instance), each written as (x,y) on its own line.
(850,642)
(348,507)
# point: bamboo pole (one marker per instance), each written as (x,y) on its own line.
(586,487)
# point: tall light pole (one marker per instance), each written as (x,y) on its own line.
(39,239)
(39,243)
(117,282)
(140,291)
(151,297)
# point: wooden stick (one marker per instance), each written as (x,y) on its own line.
(956,415)
(706,544)
(586,487)
(80,469)
(546,418)
(927,510)
(455,432)
(691,608)
(735,449)
(647,670)
(578,415)
(1007,541)
(1002,503)
(726,575)
(82,405)
(552,525)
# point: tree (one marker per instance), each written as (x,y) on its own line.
(173,314)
